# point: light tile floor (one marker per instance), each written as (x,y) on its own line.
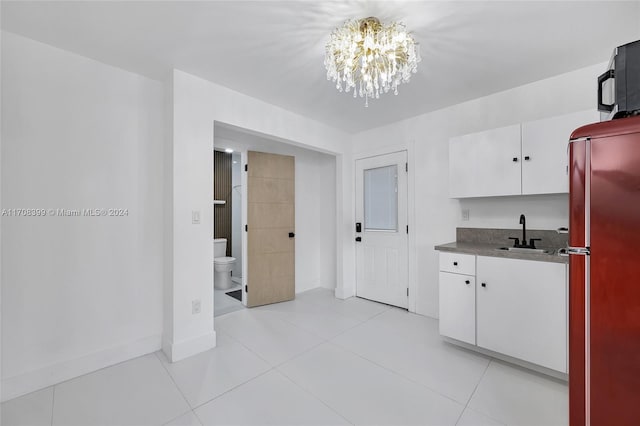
(224,304)
(313,361)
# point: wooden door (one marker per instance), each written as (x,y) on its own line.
(270,228)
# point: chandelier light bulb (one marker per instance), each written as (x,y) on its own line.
(370,57)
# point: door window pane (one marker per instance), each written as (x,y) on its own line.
(381,198)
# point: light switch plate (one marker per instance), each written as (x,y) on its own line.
(195,217)
(465,214)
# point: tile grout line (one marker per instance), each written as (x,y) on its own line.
(360,322)
(53,401)
(298,355)
(405,377)
(197,417)
(271,368)
(474,391)
(410,380)
(71,379)
(230,390)
(172,381)
(308,392)
(180,415)
(322,341)
(244,346)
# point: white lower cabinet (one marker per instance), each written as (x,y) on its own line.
(522,310)
(458,307)
(509,306)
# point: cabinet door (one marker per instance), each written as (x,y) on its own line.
(544,151)
(497,156)
(486,163)
(522,310)
(458,307)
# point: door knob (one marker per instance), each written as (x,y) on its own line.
(358,239)
(291,234)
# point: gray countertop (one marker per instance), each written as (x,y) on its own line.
(491,250)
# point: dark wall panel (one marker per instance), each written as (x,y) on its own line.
(222,163)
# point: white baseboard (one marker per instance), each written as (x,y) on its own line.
(13,387)
(341,294)
(186,348)
(519,362)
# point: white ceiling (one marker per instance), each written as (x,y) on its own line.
(274,50)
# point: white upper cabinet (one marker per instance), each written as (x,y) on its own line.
(485,164)
(515,160)
(544,151)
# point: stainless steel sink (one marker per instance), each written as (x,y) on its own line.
(524,250)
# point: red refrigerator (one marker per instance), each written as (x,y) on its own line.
(604,274)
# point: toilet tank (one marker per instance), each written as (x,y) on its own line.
(219,247)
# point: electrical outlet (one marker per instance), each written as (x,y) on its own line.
(195,217)
(465,214)
(196,306)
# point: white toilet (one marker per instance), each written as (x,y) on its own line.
(222,265)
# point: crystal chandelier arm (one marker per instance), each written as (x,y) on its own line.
(371,57)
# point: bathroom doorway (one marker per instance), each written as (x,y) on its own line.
(227,242)
(312,260)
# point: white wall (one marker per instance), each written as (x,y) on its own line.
(197,104)
(426,139)
(79,293)
(315,206)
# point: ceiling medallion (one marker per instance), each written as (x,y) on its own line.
(370,57)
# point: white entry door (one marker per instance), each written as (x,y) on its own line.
(381,229)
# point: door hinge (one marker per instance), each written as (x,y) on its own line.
(246,289)
(406,167)
(246,167)
(246,228)
(407,291)
(407,229)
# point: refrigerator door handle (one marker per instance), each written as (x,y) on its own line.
(582,251)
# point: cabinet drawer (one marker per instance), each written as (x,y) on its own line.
(458,263)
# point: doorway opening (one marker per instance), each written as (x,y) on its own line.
(227,238)
(282,233)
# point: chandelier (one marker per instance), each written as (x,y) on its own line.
(370,57)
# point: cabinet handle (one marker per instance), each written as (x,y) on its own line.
(455,263)
(527,158)
(467,282)
(515,159)
(483,284)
